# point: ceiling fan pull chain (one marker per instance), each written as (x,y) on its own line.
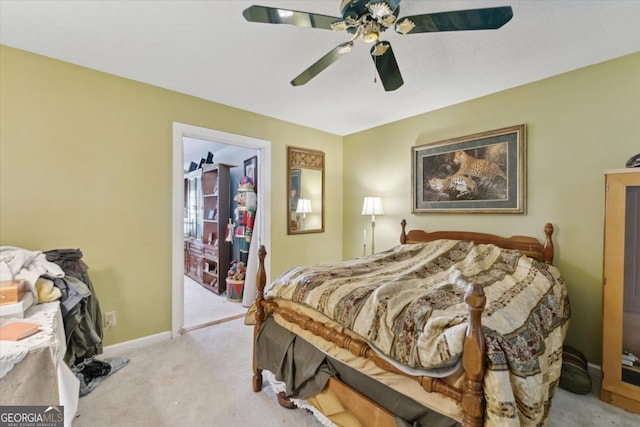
(375,68)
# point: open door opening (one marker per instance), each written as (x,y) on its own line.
(226,149)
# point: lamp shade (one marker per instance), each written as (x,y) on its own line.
(372,206)
(304,206)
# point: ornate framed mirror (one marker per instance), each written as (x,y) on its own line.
(305,186)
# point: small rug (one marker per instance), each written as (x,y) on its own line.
(90,379)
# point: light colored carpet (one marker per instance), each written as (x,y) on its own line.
(569,409)
(203,378)
(202,306)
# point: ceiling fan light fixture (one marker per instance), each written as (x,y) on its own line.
(339,25)
(371,37)
(371,32)
(345,47)
(388,20)
(405,26)
(380,49)
(380,9)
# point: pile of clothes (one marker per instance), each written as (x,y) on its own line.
(79,304)
(61,274)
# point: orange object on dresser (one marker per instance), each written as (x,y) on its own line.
(12,291)
(18,330)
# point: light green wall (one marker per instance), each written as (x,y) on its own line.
(85,162)
(579,124)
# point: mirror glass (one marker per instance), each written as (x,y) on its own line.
(305,185)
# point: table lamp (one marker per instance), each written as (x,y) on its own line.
(372,206)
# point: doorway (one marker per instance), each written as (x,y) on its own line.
(262,237)
(202,307)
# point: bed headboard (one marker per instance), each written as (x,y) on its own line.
(529,246)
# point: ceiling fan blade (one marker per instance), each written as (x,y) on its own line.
(385,62)
(322,63)
(457,20)
(271,15)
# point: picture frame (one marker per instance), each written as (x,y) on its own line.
(480,173)
(251,170)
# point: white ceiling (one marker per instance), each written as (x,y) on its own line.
(207,49)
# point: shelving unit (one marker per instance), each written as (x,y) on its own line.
(207,210)
(621,289)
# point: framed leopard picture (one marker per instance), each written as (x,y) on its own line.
(479,173)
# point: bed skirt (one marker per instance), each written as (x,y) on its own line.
(305,371)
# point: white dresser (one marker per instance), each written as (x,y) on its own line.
(32,370)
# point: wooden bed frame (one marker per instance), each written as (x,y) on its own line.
(471,396)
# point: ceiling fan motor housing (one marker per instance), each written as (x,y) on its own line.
(353,9)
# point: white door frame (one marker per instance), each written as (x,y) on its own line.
(263,147)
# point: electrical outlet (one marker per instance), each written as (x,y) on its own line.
(109,319)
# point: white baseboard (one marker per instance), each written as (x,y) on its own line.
(595,373)
(122,347)
(592,368)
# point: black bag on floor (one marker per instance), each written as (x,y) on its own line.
(575,375)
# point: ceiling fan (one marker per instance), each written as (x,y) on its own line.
(367,19)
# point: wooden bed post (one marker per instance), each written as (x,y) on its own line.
(261,281)
(473,359)
(548,243)
(403,236)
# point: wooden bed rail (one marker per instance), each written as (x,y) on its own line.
(527,245)
(473,356)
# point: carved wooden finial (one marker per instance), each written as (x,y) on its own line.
(403,235)
(261,276)
(475,297)
(548,243)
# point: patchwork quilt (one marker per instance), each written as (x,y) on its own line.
(405,302)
